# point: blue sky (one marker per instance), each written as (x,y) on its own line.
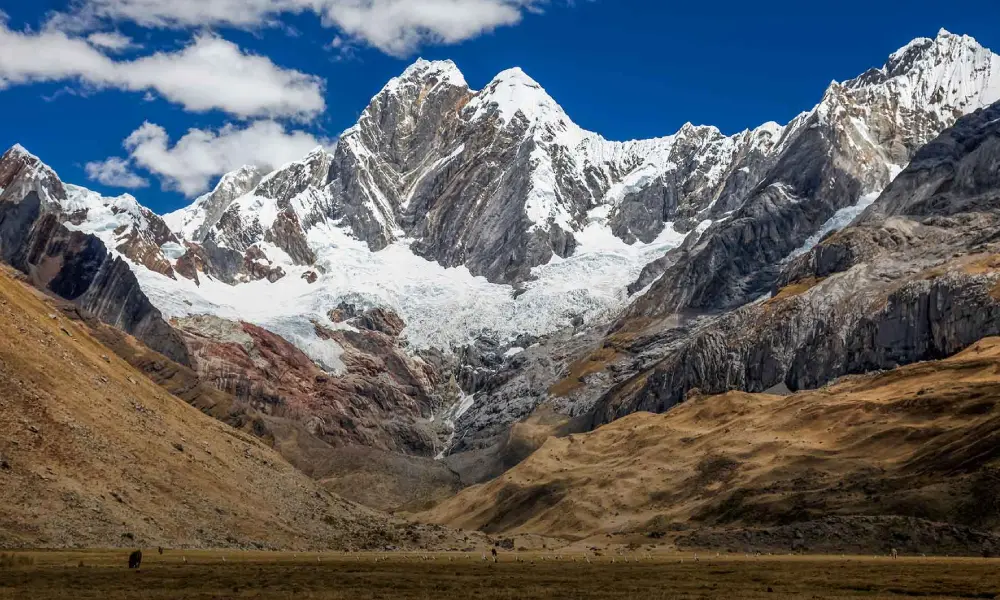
(626,69)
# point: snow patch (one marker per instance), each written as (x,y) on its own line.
(465,402)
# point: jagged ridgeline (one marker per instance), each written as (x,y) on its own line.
(458,259)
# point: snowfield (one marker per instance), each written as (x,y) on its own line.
(443,307)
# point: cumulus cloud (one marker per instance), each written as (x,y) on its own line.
(210,73)
(115,172)
(111,41)
(196,159)
(397,27)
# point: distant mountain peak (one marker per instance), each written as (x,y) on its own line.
(18,149)
(949,54)
(21,171)
(948,75)
(513,92)
(422,71)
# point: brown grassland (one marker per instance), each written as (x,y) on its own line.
(216,575)
(920,441)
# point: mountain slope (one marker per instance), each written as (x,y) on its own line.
(96,455)
(911,452)
(40,236)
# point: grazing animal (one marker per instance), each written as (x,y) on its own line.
(135,559)
(160,549)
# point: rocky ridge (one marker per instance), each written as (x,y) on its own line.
(913,278)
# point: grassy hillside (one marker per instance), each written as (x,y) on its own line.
(94,454)
(904,450)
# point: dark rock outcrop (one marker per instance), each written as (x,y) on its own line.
(78,267)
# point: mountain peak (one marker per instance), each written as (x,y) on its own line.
(21,171)
(950,72)
(17,150)
(516,76)
(514,92)
(244,173)
(421,70)
(923,53)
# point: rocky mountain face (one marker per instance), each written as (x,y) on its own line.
(914,278)
(499,181)
(382,401)
(827,167)
(38,237)
(851,145)
(455,261)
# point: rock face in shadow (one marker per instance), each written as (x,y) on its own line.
(914,278)
(78,267)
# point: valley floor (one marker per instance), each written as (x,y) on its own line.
(102,575)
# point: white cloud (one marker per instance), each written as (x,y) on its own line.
(210,73)
(111,41)
(115,172)
(190,165)
(397,27)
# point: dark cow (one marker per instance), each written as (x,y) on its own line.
(135,559)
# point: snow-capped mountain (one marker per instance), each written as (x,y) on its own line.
(833,160)
(500,183)
(489,214)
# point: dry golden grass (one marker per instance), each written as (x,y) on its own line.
(982,264)
(794,289)
(918,441)
(94,453)
(103,576)
(595,362)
